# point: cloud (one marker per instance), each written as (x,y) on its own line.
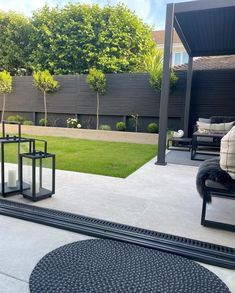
(150,11)
(24,6)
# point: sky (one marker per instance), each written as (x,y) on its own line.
(150,11)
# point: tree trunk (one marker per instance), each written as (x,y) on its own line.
(45,108)
(97,110)
(136,123)
(3,107)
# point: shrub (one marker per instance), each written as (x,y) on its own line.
(104,127)
(73,123)
(120,126)
(43,122)
(19,119)
(152,128)
(28,122)
(11,118)
(16,118)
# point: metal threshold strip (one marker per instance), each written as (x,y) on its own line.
(193,249)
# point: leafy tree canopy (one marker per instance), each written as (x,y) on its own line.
(97,81)
(44,81)
(5,82)
(15,30)
(73,39)
(5,88)
(81,36)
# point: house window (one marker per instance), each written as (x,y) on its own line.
(184,58)
(177,59)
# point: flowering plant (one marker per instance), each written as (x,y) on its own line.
(73,123)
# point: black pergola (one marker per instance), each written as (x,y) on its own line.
(206,28)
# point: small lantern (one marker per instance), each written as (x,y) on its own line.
(37,170)
(10,148)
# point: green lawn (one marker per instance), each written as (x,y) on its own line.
(99,157)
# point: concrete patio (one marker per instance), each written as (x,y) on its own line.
(161,198)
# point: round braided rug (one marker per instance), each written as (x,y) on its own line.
(102,266)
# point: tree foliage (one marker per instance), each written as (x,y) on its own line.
(97,81)
(5,88)
(153,64)
(81,36)
(15,31)
(5,82)
(73,39)
(45,82)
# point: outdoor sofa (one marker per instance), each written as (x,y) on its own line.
(216,178)
(208,134)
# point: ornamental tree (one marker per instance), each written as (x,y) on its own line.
(15,31)
(97,81)
(45,82)
(153,64)
(82,36)
(5,88)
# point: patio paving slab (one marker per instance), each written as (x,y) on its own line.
(12,285)
(160,198)
(153,197)
(24,244)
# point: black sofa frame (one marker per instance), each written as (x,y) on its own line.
(216,192)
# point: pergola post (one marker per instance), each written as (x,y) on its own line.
(188,95)
(163,114)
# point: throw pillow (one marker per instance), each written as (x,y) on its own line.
(227,153)
(214,127)
(205,120)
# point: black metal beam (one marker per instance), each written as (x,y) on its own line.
(182,36)
(213,53)
(188,95)
(163,114)
(202,5)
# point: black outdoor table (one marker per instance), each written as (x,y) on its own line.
(179,143)
(205,144)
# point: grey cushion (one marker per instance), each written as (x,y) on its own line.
(205,120)
(222,119)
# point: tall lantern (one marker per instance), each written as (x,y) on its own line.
(10,148)
(37,170)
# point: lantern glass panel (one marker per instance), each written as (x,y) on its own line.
(27,173)
(44,174)
(11,150)
(11,169)
(24,147)
(38,175)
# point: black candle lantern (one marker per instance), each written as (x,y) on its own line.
(10,148)
(37,170)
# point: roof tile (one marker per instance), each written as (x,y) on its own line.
(159,36)
(210,63)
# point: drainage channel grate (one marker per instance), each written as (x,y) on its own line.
(194,249)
